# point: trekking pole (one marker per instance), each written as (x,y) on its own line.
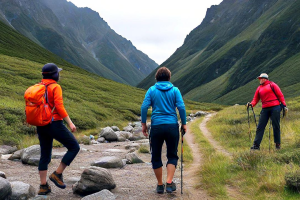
(249,124)
(182,133)
(270,135)
(254,116)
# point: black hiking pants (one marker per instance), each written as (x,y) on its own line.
(159,134)
(265,114)
(58,131)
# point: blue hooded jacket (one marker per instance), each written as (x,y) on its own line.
(164,98)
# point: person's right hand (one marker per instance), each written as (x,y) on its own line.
(72,127)
(249,104)
(144,129)
(183,127)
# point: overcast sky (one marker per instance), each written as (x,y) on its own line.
(156,27)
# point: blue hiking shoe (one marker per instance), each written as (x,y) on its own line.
(171,187)
(160,189)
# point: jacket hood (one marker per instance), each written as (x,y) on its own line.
(266,82)
(163,85)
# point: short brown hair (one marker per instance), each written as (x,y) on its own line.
(163,74)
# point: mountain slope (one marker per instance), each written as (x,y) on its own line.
(236,41)
(78,35)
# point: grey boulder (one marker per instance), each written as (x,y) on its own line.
(5,189)
(16,155)
(94,179)
(109,134)
(2,174)
(123,135)
(108,162)
(137,124)
(128,128)
(4,149)
(101,140)
(132,158)
(31,155)
(137,134)
(21,190)
(115,128)
(200,113)
(102,195)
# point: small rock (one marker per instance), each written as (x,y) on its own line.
(94,179)
(6,156)
(21,190)
(128,128)
(94,142)
(132,158)
(137,134)
(58,155)
(123,135)
(115,128)
(2,174)
(200,113)
(71,180)
(132,145)
(108,162)
(131,150)
(192,115)
(5,189)
(108,134)
(4,149)
(16,155)
(101,140)
(31,155)
(137,124)
(102,195)
(188,119)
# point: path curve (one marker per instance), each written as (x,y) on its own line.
(209,136)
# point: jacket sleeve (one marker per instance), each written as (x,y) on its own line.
(279,94)
(181,107)
(58,102)
(145,106)
(256,97)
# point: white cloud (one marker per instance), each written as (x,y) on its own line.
(156,27)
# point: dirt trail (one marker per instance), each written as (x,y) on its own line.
(191,174)
(209,136)
(233,193)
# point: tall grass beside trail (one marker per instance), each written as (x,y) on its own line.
(258,174)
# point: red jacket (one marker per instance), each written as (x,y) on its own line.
(55,99)
(267,96)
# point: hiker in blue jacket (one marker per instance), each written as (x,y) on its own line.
(164,98)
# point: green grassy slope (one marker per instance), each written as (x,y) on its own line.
(91,101)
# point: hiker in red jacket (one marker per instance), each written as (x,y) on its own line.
(272,102)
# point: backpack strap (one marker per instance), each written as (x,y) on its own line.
(46,94)
(274,92)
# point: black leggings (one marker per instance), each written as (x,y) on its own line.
(159,134)
(56,130)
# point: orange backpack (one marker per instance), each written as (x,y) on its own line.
(38,111)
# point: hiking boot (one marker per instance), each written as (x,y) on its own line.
(57,179)
(255,147)
(160,189)
(277,145)
(170,187)
(44,189)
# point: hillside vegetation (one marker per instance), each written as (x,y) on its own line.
(237,41)
(78,35)
(253,174)
(91,101)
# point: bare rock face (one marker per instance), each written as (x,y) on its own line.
(102,195)
(108,162)
(21,190)
(5,189)
(31,155)
(94,179)
(115,128)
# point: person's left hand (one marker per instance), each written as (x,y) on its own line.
(144,129)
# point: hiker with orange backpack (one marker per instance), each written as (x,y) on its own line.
(45,109)
(164,98)
(272,103)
